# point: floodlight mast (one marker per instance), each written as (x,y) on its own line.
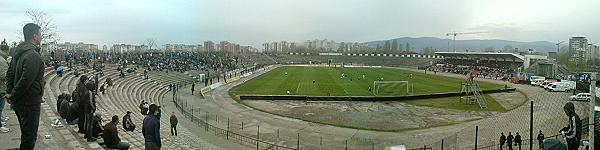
(454,36)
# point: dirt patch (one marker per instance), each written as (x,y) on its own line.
(509,100)
(381,115)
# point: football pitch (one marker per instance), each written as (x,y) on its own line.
(316,81)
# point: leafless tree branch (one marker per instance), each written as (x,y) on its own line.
(150,42)
(49,30)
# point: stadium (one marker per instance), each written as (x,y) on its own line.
(221,114)
(450,133)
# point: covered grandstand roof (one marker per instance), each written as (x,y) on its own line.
(483,56)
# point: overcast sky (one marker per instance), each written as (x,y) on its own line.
(253,22)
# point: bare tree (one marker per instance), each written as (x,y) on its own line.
(49,30)
(151,42)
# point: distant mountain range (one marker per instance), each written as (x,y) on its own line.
(442,45)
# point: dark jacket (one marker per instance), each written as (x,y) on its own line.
(151,129)
(509,139)
(88,97)
(73,112)
(74,95)
(97,128)
(502,139)
(173,120)
(127,123)
(518,139)
(64,109)
(540,137)
(59,101)
(25,75)
(573,130)
(110,135)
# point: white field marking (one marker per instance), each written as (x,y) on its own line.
(298,88)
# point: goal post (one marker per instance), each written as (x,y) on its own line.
(392,87)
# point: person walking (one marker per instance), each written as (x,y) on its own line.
(173,123)
(540,139)
(25,84)
(151,129)
(502,140)
(510,140)
(573,131)
(193,85)
(3,68)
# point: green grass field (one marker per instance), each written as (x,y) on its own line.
(299,81)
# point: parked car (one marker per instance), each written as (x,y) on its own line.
(581,97)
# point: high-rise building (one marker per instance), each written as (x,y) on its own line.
(591,52)
(224,46)
(266,47)
(209,46)
(578,46)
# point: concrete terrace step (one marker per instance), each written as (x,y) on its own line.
(123,96)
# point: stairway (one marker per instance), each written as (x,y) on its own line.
(562,69)
(478,94)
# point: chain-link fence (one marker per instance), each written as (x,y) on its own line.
(548,117)
(202,118)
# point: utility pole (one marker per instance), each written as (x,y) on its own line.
(592,106)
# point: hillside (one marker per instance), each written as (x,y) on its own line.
(442,45)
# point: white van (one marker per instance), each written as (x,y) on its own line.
(533,78)
(560,87)
(537,82)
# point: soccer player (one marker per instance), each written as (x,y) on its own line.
(314,81)
(286,73)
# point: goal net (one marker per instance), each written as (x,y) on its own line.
(391,88)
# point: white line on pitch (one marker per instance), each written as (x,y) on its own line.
(298,88)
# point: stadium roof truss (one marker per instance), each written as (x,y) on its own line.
(510,57)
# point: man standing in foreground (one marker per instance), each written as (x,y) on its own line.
(572,132)
(25,84)
(151,129)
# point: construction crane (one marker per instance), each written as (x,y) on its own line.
(454,34)
(558,47)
